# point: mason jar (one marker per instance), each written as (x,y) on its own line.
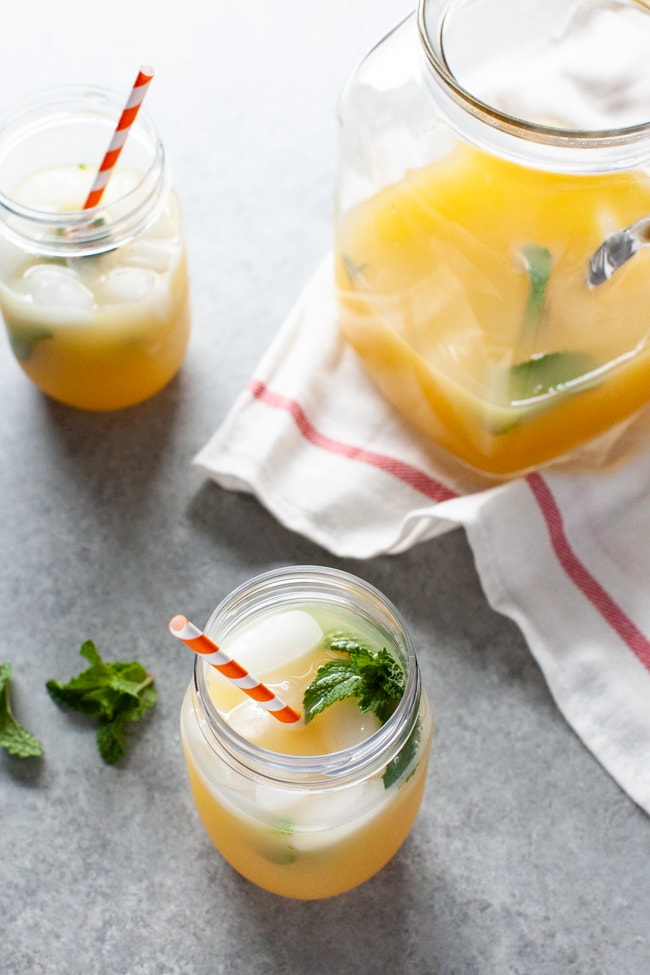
(95,301)
(305,821)
(493,205)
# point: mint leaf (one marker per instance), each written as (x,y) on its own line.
(278,849)
(547,373)
(398,765)
(111,739)
(538,262)
(377,679)
(334,681)
(353,271)
(92,654)
(543,372)
(13,736)
(372,676)
(283,826)
(381,675)
(115,693)
(22,339)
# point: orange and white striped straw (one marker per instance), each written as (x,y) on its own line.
(127,118)
(194,638)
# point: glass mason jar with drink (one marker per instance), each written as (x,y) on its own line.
(493,207)
(95,299)
(314,807)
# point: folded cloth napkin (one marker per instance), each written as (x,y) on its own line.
(563,552)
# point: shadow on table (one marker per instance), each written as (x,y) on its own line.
(372,928)
(435,584)
(238,522)
(28,772)
(112,446)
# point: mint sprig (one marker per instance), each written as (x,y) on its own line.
(117,694)
(372,676)
(15,738)
(377,679)
(530,381)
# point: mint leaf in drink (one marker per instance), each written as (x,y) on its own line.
(353,271)
(377,679)
(538,262)
(117,694)
(527,382)
(551,372)
(13,736)
(398,765)
(334,681)
(277,848)
(372,676)
(22,339)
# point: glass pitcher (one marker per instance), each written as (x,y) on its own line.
(493,205)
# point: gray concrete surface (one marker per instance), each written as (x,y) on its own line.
(527,858)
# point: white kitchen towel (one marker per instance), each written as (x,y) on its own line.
(563,552)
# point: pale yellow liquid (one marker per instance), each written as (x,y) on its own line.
(287,844)
(433,291)
(128,335)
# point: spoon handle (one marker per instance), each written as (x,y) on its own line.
(617,248)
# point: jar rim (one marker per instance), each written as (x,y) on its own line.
(501,122)
(108,224)
(368,755)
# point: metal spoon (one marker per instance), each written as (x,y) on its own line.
(617,248)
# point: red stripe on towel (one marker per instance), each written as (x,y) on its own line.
(415,478)
(580,575)
(435,491)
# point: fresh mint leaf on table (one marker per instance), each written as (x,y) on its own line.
(372,676)
(13,736)
(117,694)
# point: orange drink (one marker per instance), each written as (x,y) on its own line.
(310,809)
(435,288)
(96,302)
(486,155)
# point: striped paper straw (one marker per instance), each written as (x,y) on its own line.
(194,638)
(127,118)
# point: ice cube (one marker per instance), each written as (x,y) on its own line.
(337,807)
(318,820)
(348,725)
(323,820)
(157,255)
(275,642)
(126,284)
(251,721)
(55,188)
(280,803)
(56,287)
(165,227)
(122,181)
